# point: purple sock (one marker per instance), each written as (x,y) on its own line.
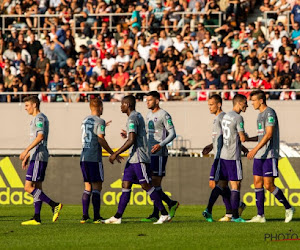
(37,207)
(226,194)
(86,197)
(213,198)
(235,202)
(124,199)
(96,203)
(260,199)
(154,195)
(39,195)
(280,196)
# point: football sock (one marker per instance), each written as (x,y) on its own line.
(39,194)
(86,197)
(213,197)
(124,199)
(164,197)
(280,196)
(96,203)
(260,199)
(235,202)
(157,200)
(226,194)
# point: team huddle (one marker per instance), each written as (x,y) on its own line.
(146,164)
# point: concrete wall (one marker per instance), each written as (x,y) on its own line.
(192,120)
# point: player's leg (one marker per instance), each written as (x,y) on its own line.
(217,173)
(143,173)
(96,200)
(277,192)
(86,198)
(259,191)
(226,194)
(270,171)
(124,199)
(129,178)
(235,176)
(33,185)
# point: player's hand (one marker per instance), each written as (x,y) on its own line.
(25,163)
(206,150)
(112,158)
(251,154)
(108,123)
(119,158)
(155,148)
(23,155)
(123,134)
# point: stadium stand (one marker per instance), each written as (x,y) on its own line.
(66,47)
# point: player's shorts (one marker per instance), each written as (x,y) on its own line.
(158,165)
(92,171)
(265,167)
(214,168)
(137,173)
(36,171)
(230,170)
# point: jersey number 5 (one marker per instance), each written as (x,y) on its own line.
(226,131)
(86,133)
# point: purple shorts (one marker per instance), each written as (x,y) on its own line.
(265,167)
(214,168)
(230,170)
(36,171)
(158,165)
(92,171)
(137,173)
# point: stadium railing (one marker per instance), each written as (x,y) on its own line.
(166,92)
(111,16)
(287,24)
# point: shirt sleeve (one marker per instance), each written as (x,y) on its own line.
(132,126)
(270,119)
(100,128)
(168,124)
(240,124)
(40,125)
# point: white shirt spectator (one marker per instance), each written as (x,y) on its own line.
(122,60)
(153,85)
(175,86)
(164,43)
(276,43)
(108,63)
(179,46)
(144,51)
(54,3)
(204,59)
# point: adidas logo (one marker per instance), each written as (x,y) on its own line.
(11,186)
(288,181)
(136,198)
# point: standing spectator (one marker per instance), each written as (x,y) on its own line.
(43,66)
(59,40)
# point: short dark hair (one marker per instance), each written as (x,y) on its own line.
(33,99)
(130,99)
(216,97)
(260,95)
(238,98)
(154,94)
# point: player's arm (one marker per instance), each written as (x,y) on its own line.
(268,135)
(207,149)
(25,162)
(37,140)
(102,141)
(245,150)
(168,124)
(129,142)
(171,136)
(254,138)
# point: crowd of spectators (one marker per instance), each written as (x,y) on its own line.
(151,48)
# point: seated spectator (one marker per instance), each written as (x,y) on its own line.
(123,59)
(153,82)
(174,86)
(121,78)
(211,80)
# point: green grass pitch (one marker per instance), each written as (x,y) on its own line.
(188,230)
